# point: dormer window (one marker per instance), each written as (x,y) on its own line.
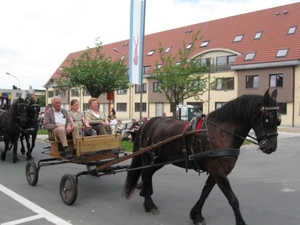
(250,56)
(189,46)
(292,30)
(258,35)
(238,38)
(168,49)
(158,66)
(282,52)
(204,44)
(151,52)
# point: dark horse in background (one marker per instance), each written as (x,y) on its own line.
(214,151)
(11,123)
(31,127)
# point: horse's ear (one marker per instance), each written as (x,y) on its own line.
(274,94)
(267,94)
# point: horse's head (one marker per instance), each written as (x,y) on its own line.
(33,111)
(19,110)
(266,122)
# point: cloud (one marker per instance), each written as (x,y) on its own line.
(36,36)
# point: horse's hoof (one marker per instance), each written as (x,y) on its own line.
(154,211)
(3,157)
(15,160)
(200,223)
(30,159)
(23,152)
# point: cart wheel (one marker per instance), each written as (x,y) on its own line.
(68,189)
(32,173)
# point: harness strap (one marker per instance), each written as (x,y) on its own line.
(215,153)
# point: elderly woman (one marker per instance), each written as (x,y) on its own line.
(95,117)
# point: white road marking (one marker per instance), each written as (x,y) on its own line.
(24,220)
(42,213)
(286,189)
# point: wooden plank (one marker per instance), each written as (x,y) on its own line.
(55,145)
(97,143)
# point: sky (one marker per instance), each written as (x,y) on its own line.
(37,35)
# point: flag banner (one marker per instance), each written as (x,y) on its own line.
(137,17)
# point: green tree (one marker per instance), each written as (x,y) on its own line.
(181,77)
(42,100)
(94,72)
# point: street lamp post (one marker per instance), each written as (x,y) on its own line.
(16,78)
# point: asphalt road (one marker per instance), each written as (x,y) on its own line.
(267,186)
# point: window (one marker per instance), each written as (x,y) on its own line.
(86,92)
(252,81)
(282,108)
(282,52)
(121,107)
(205,62)
(85,106)
(238,38)
(224,62)
(225,83)
(258,35)
(276,80)
(168,49)
(292,30)
(151,52)
(198,106)
(250,56)
(18,94)
(219,104)
(63,93)
(137,107)
(57,92)
(177,63)
(74,93)
(146,69)
(138,88)
(204,44)
(50,94)
(121,91)
(155,86)
(189,46)
(158,66)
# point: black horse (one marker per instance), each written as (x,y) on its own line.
(215,150)
(11,123)
(30,128)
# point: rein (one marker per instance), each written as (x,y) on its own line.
(228,131)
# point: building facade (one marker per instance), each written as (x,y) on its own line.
(251,52)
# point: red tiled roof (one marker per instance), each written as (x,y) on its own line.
(221,34)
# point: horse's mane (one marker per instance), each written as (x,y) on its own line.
(241,108)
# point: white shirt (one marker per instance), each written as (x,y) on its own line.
(59,118)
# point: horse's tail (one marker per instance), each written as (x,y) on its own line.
(132,177)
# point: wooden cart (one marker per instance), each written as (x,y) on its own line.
(93,151)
